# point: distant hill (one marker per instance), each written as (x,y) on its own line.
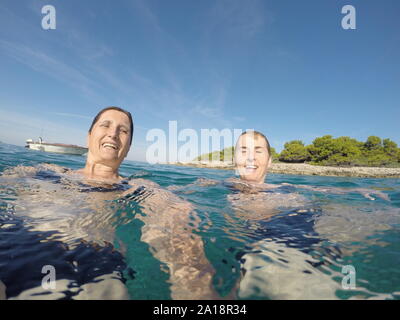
(229,153)
(223,155)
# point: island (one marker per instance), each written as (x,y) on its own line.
(326,156)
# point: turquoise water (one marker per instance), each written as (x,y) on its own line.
(333,229)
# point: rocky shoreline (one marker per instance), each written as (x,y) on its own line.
(362,172)
(307,169)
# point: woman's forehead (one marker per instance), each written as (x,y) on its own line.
(251,140)
(115,116)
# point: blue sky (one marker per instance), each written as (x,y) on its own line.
(283,67)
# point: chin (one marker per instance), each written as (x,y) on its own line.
(252,179)
(108,157)
(248,178)
(111,160)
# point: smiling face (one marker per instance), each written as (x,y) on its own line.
(252,159)
(109,139)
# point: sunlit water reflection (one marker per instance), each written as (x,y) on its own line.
(290,243)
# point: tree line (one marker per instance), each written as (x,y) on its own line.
(329,151)
(343,151)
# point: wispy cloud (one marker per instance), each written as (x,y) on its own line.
(87,68)
(207,111)
(239,118)
(212,106)
(55,68)
(239,19)
(83,62)
(72,115)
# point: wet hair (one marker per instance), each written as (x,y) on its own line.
(258,134)
(96,118)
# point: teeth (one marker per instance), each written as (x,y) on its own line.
(251,167)
(110,145)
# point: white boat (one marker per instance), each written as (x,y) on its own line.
(55,147)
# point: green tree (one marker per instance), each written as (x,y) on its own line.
(390,148)
(227,154)
(294,151)
(274,154)
(373,143)
(321,149)
(340,151)
(373,152)
(346,151)
(215,155)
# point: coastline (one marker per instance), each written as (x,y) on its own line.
(307,169)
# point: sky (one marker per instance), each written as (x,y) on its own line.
(285,68)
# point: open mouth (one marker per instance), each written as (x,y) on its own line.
(110,145)
(251,167)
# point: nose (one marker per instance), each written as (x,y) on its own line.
(250,156)
(112,132)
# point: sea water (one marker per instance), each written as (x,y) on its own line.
(301,251)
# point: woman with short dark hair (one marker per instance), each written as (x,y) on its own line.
(109,140)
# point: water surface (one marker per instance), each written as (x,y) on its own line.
(297,249)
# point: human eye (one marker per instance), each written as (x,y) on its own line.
(124,130)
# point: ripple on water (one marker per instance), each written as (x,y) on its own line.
(296,251)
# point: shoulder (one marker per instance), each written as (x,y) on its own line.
(54,167)
(19,171)
(32,170)
(143,183)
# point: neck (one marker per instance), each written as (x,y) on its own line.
(99,171)
(255,182)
